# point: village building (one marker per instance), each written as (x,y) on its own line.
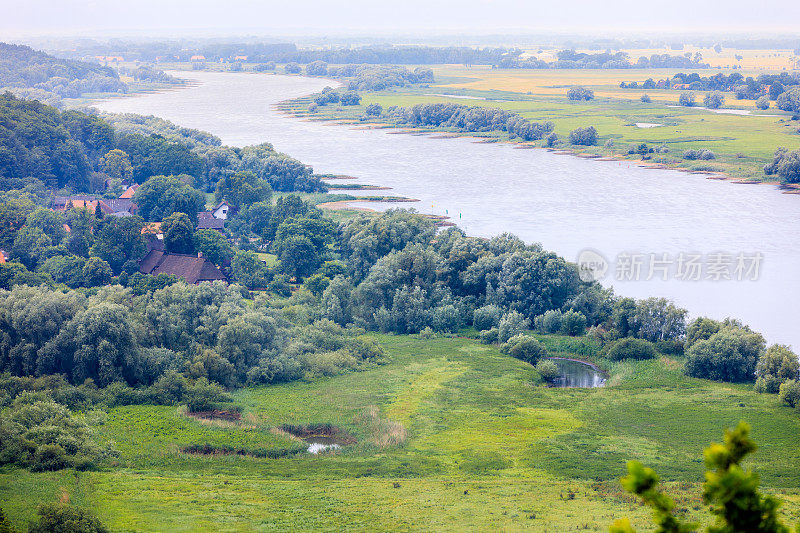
(192,268)
(207,220)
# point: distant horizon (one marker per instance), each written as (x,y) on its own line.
(360,19)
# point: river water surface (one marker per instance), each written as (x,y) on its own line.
(566,203)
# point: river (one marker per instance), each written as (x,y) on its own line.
(569,204)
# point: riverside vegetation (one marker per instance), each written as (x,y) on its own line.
(743,146)
(422,350)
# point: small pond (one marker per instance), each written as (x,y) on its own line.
(320,443)
(577,374)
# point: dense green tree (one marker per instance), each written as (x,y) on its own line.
(161,196)
(29,246)
(776,366)
(242,189)
(580,93)
(714,100)
(13,213)
(583,136)
(117,165)
(298,256)
(789,100)
(731,354)
(249,270)
(154,155)
(119,239)
(686,99)
(214,245)
(96,272)
(178,233)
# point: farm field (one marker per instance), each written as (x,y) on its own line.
(483,444)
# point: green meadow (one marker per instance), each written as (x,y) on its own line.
(450,435)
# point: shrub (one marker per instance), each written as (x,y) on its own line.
(573,323)
(646,98)
(63,518)
(551,140)
(489,336)
(730,354)
(350,98)
(631,348)
(446,318)
(714,100)
(374,110)
(426,333)
(486,317)
(763,102)
(789,393)
(701,328)
(789,100)
(730,491)
(512,323)
(580,93)
(547,369)
(583,136)
(699,154)
(686,99)
(524,348)
(776,366)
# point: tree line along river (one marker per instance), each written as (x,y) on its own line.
(717,248)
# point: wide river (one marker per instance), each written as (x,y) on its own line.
(566,203)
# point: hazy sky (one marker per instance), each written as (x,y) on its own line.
(181,17)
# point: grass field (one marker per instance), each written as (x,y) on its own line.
(486,447)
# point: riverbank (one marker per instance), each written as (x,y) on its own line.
(298,108)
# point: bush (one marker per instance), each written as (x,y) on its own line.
(730,354)
(350,98)
(486,317)
(646,98)
(573,323)
(547,369)
(524,348)
(763,102)
(551,140)
(580,93)
(686,99)
(776,366)
(583,136)
(631,348)
(714,100)
(61,518)
(789,393)
(489,336)
(373,110)
(512,323)
(700,154)
(426,333)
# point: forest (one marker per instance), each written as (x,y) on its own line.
(32,73)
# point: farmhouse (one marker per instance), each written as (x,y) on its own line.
(192,268)
(207,220)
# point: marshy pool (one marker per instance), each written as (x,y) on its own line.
(577,374)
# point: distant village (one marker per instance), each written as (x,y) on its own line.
(190,267)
